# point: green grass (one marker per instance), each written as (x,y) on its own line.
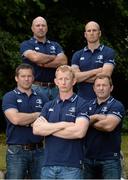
(2,152)
(125,153)
(2,157)
(124,149)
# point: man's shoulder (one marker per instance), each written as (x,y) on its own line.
(106,48)
(51,42)
(81,99)
(51,103)
(82,102)
(27,41)
(9,94)
(80,51)
(43,97)
(118,103)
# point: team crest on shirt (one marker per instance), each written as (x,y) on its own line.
(52,50)
(99,58)
(39,103)
(71,111)
(104,109)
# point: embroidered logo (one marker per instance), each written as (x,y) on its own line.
(52,50)
(99,58)
(19,100)
(104,109)
(72,109)
(39,103)
(82,58)
(51,109)
(90,108)
(37,48)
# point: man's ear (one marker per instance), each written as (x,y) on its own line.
(85,34)
(74,81)
(99,33)
(111,88)
(16,78)
(55,81)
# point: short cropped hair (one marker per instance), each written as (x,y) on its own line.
(24,66)
(65,68)
(103,76)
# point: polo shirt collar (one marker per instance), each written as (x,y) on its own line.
(71,99)
(35,40)
(108,101)
(17,91)
(100,48)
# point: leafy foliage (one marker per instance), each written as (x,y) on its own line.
(125,124)
(10,58)
(66,19)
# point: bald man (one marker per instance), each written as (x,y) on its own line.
(45,56)
(93,59)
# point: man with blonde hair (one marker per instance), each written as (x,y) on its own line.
(64,123)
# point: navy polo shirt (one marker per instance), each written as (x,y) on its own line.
(49,47)
(15,99)
(60,151)
(87,60)
(104,145)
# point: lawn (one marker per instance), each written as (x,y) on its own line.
(124,149)
(2,156)
(125,152)
(2,151)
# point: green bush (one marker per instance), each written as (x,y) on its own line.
(10,58)
(125,124)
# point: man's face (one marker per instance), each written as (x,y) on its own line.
(39,27)
(24,79)
(64,81)
(92,32)
(102,88)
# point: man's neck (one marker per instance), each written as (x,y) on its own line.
(27,91)
(93,46)
(65,95)
(43,39)
(102,100)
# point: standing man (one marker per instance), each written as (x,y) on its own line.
(92,60)
(64,123)
(44,55)
(103,139)
(21,107)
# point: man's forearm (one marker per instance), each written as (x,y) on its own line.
(86,75)
(24,119)
(58,61)
(74,131)
(96,117)
(45,128)
(38,57)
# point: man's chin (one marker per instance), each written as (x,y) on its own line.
(27,87)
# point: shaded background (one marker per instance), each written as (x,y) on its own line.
(66,19)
